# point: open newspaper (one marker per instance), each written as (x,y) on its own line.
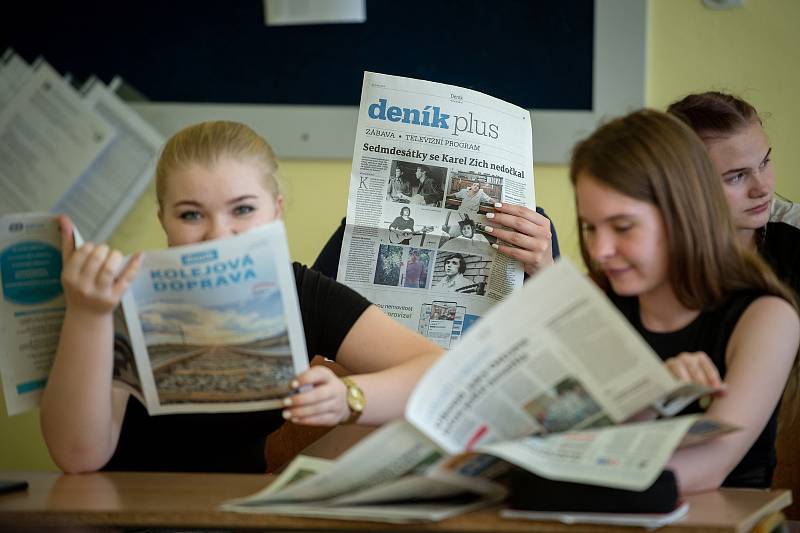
(207,327)
(430,162)
(548,381)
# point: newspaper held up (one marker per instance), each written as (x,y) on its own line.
(430,162)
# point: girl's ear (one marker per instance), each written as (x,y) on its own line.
(279,206)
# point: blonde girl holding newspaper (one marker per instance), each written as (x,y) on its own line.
(213,180)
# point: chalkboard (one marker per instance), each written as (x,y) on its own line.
(535,54)
(540,55)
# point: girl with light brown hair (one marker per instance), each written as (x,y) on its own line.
(656,234)
(213,180)
(734,135)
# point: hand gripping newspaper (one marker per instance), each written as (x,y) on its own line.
(208,327)
(430,162)
(549,380)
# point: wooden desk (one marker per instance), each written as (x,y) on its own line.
(191,500)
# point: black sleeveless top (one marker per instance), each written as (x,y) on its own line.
(709,333)
(234,442)
(780,247)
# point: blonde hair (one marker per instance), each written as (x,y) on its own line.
(207,143)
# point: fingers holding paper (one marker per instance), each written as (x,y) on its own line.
(94,276)
(695,367)
(322,402)
(523,234)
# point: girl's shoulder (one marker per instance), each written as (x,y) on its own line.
(765,316)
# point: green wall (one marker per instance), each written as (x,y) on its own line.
(752,51)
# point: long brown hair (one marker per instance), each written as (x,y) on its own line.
(714,115)
(653,157)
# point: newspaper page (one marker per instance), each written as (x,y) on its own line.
(430,161)
(31,305)
(392,475)
(108,188)
(627,456)
(216,326)
(384,455)
(48,137)
(555,356)
(14,72)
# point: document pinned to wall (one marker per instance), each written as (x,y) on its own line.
(84,153)
(48,137)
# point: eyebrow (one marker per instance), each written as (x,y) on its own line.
(743,169)
(612,218)
(193,203)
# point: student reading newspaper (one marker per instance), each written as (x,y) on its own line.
(209,327)
(656,233)
(515,375)
(213,180)
(562,346)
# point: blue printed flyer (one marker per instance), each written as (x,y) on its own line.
(31,305)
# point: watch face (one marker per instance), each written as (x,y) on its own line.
(355,399)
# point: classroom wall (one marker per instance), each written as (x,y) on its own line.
(752,51)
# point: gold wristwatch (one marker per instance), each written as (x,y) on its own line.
(355,399)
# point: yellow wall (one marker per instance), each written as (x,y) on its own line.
(752,51)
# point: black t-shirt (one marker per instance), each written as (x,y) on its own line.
(234,442)
(710,333)
(780,247)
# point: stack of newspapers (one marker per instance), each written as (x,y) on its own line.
(549,381)
(83,151)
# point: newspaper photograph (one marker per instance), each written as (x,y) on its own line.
(430,162)
(208,327)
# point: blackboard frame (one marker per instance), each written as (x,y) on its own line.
(328,132)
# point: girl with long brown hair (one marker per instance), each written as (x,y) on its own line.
(657,235)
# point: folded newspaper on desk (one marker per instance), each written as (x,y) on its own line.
(208,327)
(545,381)
(430,162)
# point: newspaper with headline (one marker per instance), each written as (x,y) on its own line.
(549,380)
(208,327)
(430,162)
